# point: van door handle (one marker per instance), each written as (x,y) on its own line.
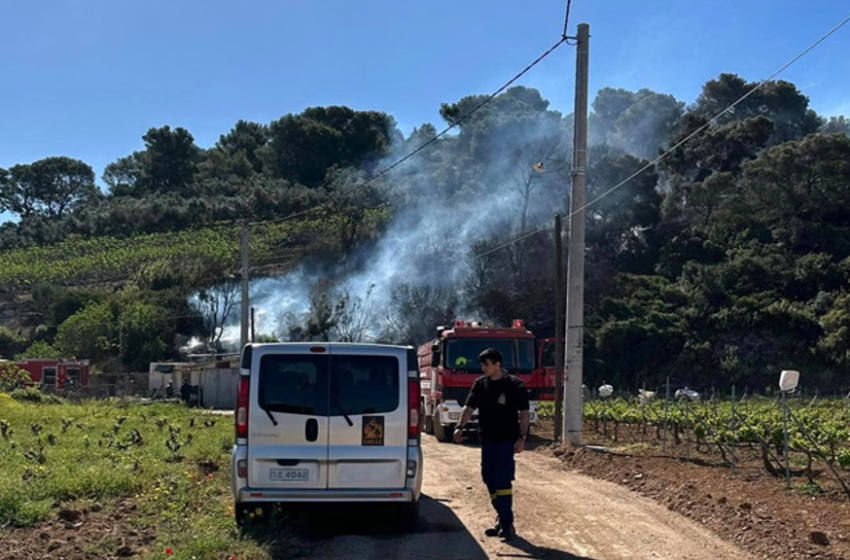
(311,429)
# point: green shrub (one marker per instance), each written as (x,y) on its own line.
(33,395)
(12,377)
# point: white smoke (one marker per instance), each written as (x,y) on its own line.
(430,239)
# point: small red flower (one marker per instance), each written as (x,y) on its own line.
(169,550)
(210,476)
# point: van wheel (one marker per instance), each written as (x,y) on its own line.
(443,433)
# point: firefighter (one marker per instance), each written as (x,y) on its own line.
(186,392)
(503,418)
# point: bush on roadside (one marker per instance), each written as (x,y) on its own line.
(33,395)
(12,377)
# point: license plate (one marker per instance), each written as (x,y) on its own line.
(290,474)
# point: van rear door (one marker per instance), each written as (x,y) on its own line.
(288,433)
(368,423)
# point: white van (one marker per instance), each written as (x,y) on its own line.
(327,422)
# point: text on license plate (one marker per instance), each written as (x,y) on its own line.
(289,474)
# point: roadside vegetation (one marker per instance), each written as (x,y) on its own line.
(169,463)
(818,431)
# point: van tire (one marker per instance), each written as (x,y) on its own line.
(443,434)
(409,517)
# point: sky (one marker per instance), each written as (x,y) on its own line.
(86,79)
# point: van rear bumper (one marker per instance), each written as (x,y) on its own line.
(324,495)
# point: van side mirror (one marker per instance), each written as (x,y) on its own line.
(435,355)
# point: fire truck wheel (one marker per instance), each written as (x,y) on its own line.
(443,434)
(425,423)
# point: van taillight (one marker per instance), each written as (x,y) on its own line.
(413,408)
(242,407)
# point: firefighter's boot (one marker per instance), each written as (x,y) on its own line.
(507,533)
(494,530)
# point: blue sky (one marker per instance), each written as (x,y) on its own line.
(86,79)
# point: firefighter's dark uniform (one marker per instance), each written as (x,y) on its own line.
(499,403)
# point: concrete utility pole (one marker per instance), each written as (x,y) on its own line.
(559,329)
(575,262)
(246,306)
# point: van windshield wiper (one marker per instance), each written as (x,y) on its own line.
(344,414)
(271,416)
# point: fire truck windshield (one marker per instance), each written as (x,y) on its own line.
(517,353)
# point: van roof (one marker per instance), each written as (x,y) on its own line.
(330,344)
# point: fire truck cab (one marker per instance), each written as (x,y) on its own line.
(546,364)
(449,366)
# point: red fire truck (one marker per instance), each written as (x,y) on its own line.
(448,367)
(546,363)
(56,374)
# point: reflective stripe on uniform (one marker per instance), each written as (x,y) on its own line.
(497,493)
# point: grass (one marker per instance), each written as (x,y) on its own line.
(809,489)
(172,462)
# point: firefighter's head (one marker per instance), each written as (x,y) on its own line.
(491,362)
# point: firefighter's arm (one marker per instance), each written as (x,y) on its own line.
(519,447)
(465,417)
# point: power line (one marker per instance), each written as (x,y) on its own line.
(189,316)
(567,20)
(678,144)
(713,119)
(439,135)
(526,235)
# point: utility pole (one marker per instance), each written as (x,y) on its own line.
(559,329)
(575,262)
(245,301)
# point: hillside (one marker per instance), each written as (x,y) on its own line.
(721,265)
(106,259)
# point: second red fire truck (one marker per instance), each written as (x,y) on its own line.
(449,366)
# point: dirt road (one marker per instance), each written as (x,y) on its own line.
(560,516)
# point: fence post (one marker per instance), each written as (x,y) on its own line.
(814,445)
(734,428)
(714,401)
(666,405)
(785,434)
(687,429)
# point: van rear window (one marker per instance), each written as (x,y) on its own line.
(321,385)
(364,385)
(294,384)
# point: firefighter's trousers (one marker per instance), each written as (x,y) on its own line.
(497,470)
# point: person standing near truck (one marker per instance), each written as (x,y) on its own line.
(186,392)
(503,419)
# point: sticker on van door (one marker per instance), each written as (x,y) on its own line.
(373,430)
